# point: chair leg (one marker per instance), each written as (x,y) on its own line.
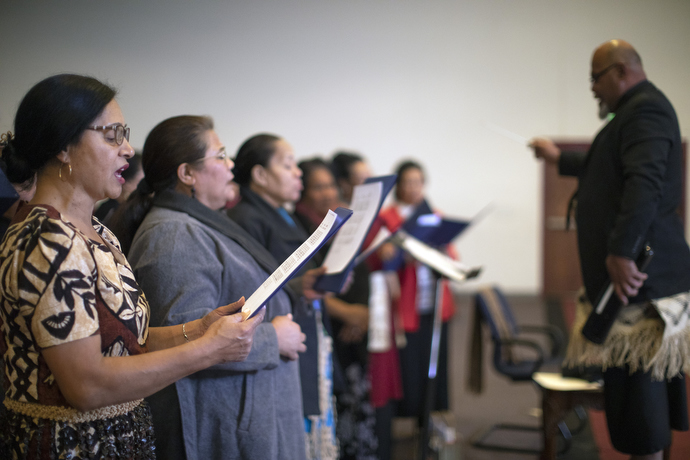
(555,405)
(567,436)
(582,418)
(480,441)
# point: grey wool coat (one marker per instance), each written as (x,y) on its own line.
(189,260)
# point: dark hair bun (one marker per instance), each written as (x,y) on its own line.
(15,166)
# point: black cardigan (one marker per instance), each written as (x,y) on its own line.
(269,228)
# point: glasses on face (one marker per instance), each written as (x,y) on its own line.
(596,76)
(221,156)
(121,133)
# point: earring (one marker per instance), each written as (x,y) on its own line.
(193,192)
(60,172)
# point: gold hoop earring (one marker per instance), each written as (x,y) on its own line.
(60,172)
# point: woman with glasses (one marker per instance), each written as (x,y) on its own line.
(188,256)
(269,179)
(79,355)
(132,175)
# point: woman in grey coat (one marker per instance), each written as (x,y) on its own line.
(187,257)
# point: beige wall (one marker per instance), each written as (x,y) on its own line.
(390,79)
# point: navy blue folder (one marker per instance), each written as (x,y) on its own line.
(434,230)
(430,229)
(334,282)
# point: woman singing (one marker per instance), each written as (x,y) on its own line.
(78,353)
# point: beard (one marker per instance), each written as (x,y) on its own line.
(603,110)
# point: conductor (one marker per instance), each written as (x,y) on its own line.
(629,190)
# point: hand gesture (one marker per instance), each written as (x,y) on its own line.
(226,326)
(308,280)
(290,337)
(546,149)
(218,313)
(625,276)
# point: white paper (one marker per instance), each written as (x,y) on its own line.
(288,268)
(378,240)
(430,256)
(509,134)
(379,313)
(557,382)
(604,299)
(365,205)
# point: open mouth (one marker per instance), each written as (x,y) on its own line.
(119,172)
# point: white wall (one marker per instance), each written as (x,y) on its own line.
(390,79)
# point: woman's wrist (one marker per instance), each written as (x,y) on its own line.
(192,330)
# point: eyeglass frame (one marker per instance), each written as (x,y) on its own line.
(593,78)
(222,155)
(122,133)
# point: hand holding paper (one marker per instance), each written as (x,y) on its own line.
(329,226)
(225,326)
(309,280)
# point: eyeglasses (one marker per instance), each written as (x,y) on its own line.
(222,156)
(121,133)
(596,76)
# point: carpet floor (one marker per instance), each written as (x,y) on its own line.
(504,401)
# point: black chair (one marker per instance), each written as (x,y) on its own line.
(516,356)
(509,337)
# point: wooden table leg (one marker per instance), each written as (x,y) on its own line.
(555,406)
(552,413)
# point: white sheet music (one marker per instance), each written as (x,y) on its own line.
(365,204)
(378,240)
(288,268)
(430,256)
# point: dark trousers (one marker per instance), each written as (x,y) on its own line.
(414,364)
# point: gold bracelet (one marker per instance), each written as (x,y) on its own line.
(184,332)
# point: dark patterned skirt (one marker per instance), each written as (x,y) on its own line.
(125,436)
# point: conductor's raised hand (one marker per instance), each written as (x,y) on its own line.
(232,335)
(546,149)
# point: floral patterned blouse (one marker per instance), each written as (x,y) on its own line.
(58,286)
